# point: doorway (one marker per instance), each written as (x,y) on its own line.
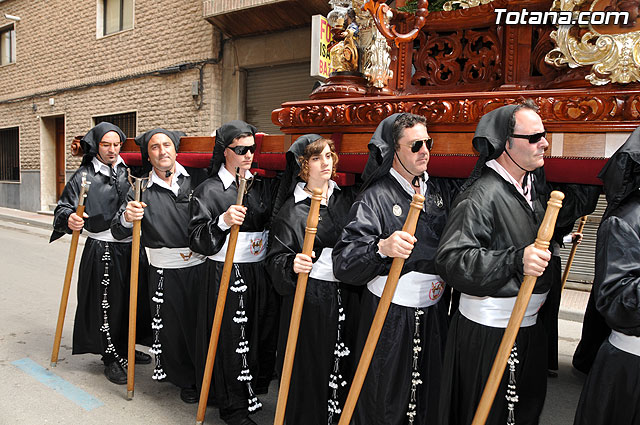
(52,160)
(60,157)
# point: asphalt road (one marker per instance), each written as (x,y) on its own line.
(76,391)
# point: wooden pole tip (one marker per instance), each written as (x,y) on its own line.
(129,394)
(557,195)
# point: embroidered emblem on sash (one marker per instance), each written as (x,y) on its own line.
(186,257)
(437,288)
(397,210)
(256,246)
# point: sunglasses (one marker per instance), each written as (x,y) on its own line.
(532,138)
(242,150)
(417,145)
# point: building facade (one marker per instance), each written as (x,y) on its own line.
(66,66)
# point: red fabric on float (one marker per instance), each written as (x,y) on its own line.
(557,169)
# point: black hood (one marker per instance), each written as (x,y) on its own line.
(143,141)
(90,141)
(224,137)
(381,151)
(621,174)
(490,138)
(290,177)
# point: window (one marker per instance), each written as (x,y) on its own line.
(7,45)
(9,155)
(126,122)
(117,15)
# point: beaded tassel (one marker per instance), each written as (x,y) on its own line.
(415,373)
(241,319)
(105,328)
(512,396)
(156,325)
(340,351)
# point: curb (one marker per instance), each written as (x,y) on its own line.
(27,221)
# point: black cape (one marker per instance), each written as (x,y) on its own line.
(209,201)
(325,301)
(387,388)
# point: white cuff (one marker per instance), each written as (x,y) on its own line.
(221,224)
(124,222)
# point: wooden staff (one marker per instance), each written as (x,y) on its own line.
(380,316)
(524,294)
(222,299)
(133,287)
(574,248)
(84,188)
(296,314)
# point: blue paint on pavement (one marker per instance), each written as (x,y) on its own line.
(59,385)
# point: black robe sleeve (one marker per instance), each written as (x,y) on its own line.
(617,276)
(284,244)
(205,237)
(66,206)
(463,259)
(117,229)
(355,257)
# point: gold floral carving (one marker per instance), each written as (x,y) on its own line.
(614,55)
(463,4)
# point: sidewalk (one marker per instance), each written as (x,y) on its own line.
(43,221)
(572,305)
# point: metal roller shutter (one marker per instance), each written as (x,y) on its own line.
(582,269)
(269,87)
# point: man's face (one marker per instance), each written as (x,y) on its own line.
(415,162)
(109,148)
(528,155)
(162,152)
(232,160)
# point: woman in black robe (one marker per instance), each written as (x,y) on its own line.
(319,377)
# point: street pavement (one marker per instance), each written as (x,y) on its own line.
(76,391)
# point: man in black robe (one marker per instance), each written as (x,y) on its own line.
(485,251)
(611,394)
(245,356)
(403,380)
(175,271)
(102,316)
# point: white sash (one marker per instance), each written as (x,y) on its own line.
(627,343)
(495,312)
(106,236)
(174,258)
(414,289)
(322,269)
(251,248)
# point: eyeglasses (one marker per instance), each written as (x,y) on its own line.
(532,138)
(242,150)
(417,145)
(108,145)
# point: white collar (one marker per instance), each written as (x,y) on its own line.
(174,187)
(407,185)
(299,194)
(502,172)
(102,168)
(228,178)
